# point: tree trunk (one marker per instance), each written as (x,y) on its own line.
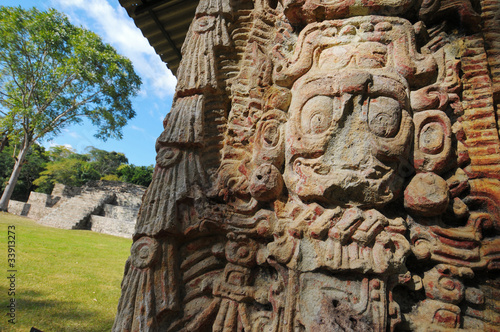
(9,188)
(4,142)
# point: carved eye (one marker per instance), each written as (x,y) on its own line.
(271,133)
(384,116)
(432,138)
(317,115)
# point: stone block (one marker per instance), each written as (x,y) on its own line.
(112,226)
(19,208)
(120,212)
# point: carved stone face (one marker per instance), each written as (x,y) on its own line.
(345,138)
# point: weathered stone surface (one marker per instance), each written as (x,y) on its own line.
(113,206)
(40,204)
(75,213)
(61,190)
(427,195)
(19,208)
(124,212)
(112,226)
(327,165)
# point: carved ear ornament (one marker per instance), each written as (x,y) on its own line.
(167,156)
(269,139)
(432,141)
(204,24)
(144,252)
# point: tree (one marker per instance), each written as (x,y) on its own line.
(72,172)
(106,162)
(36,159)
(53,74)
(4,141)
(73,169)
(65,166)
(141,175)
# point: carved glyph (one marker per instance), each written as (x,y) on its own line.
(326,165)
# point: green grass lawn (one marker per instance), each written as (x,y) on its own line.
(66,280)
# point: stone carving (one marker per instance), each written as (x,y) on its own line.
(327,165)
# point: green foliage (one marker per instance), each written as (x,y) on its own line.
(61,152)
(60,164)
(71,171)
(105,162)
(70,168)
(34,164)
(53,74)
(110,177)
(141,175)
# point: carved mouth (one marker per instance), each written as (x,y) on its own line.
(317,166)
(343,184)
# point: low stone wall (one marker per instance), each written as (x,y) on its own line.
(40,204)
(19,208)
(103,206)
(75,213)
(120,212)
(65,191)
(112,226)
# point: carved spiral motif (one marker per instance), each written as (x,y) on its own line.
(271,133)
(242,252)
(144,252)
(204,24)
(269,142)
(442,284)
(167,156)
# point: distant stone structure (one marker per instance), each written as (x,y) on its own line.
(101,206)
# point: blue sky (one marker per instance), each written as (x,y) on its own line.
(109,20)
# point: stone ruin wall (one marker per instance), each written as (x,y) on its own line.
(39,204)
(101,206)
(326,166)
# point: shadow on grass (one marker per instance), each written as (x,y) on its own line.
(33,309)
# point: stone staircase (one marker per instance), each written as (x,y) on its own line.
(75,213)
(115,220)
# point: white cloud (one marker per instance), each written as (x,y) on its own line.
(142,130)
(74,134)
(53,144)
(116,28)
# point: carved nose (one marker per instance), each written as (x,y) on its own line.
(351,149)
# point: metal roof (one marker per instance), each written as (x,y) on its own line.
(164,23)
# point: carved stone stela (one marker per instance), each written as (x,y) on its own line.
(326,166)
